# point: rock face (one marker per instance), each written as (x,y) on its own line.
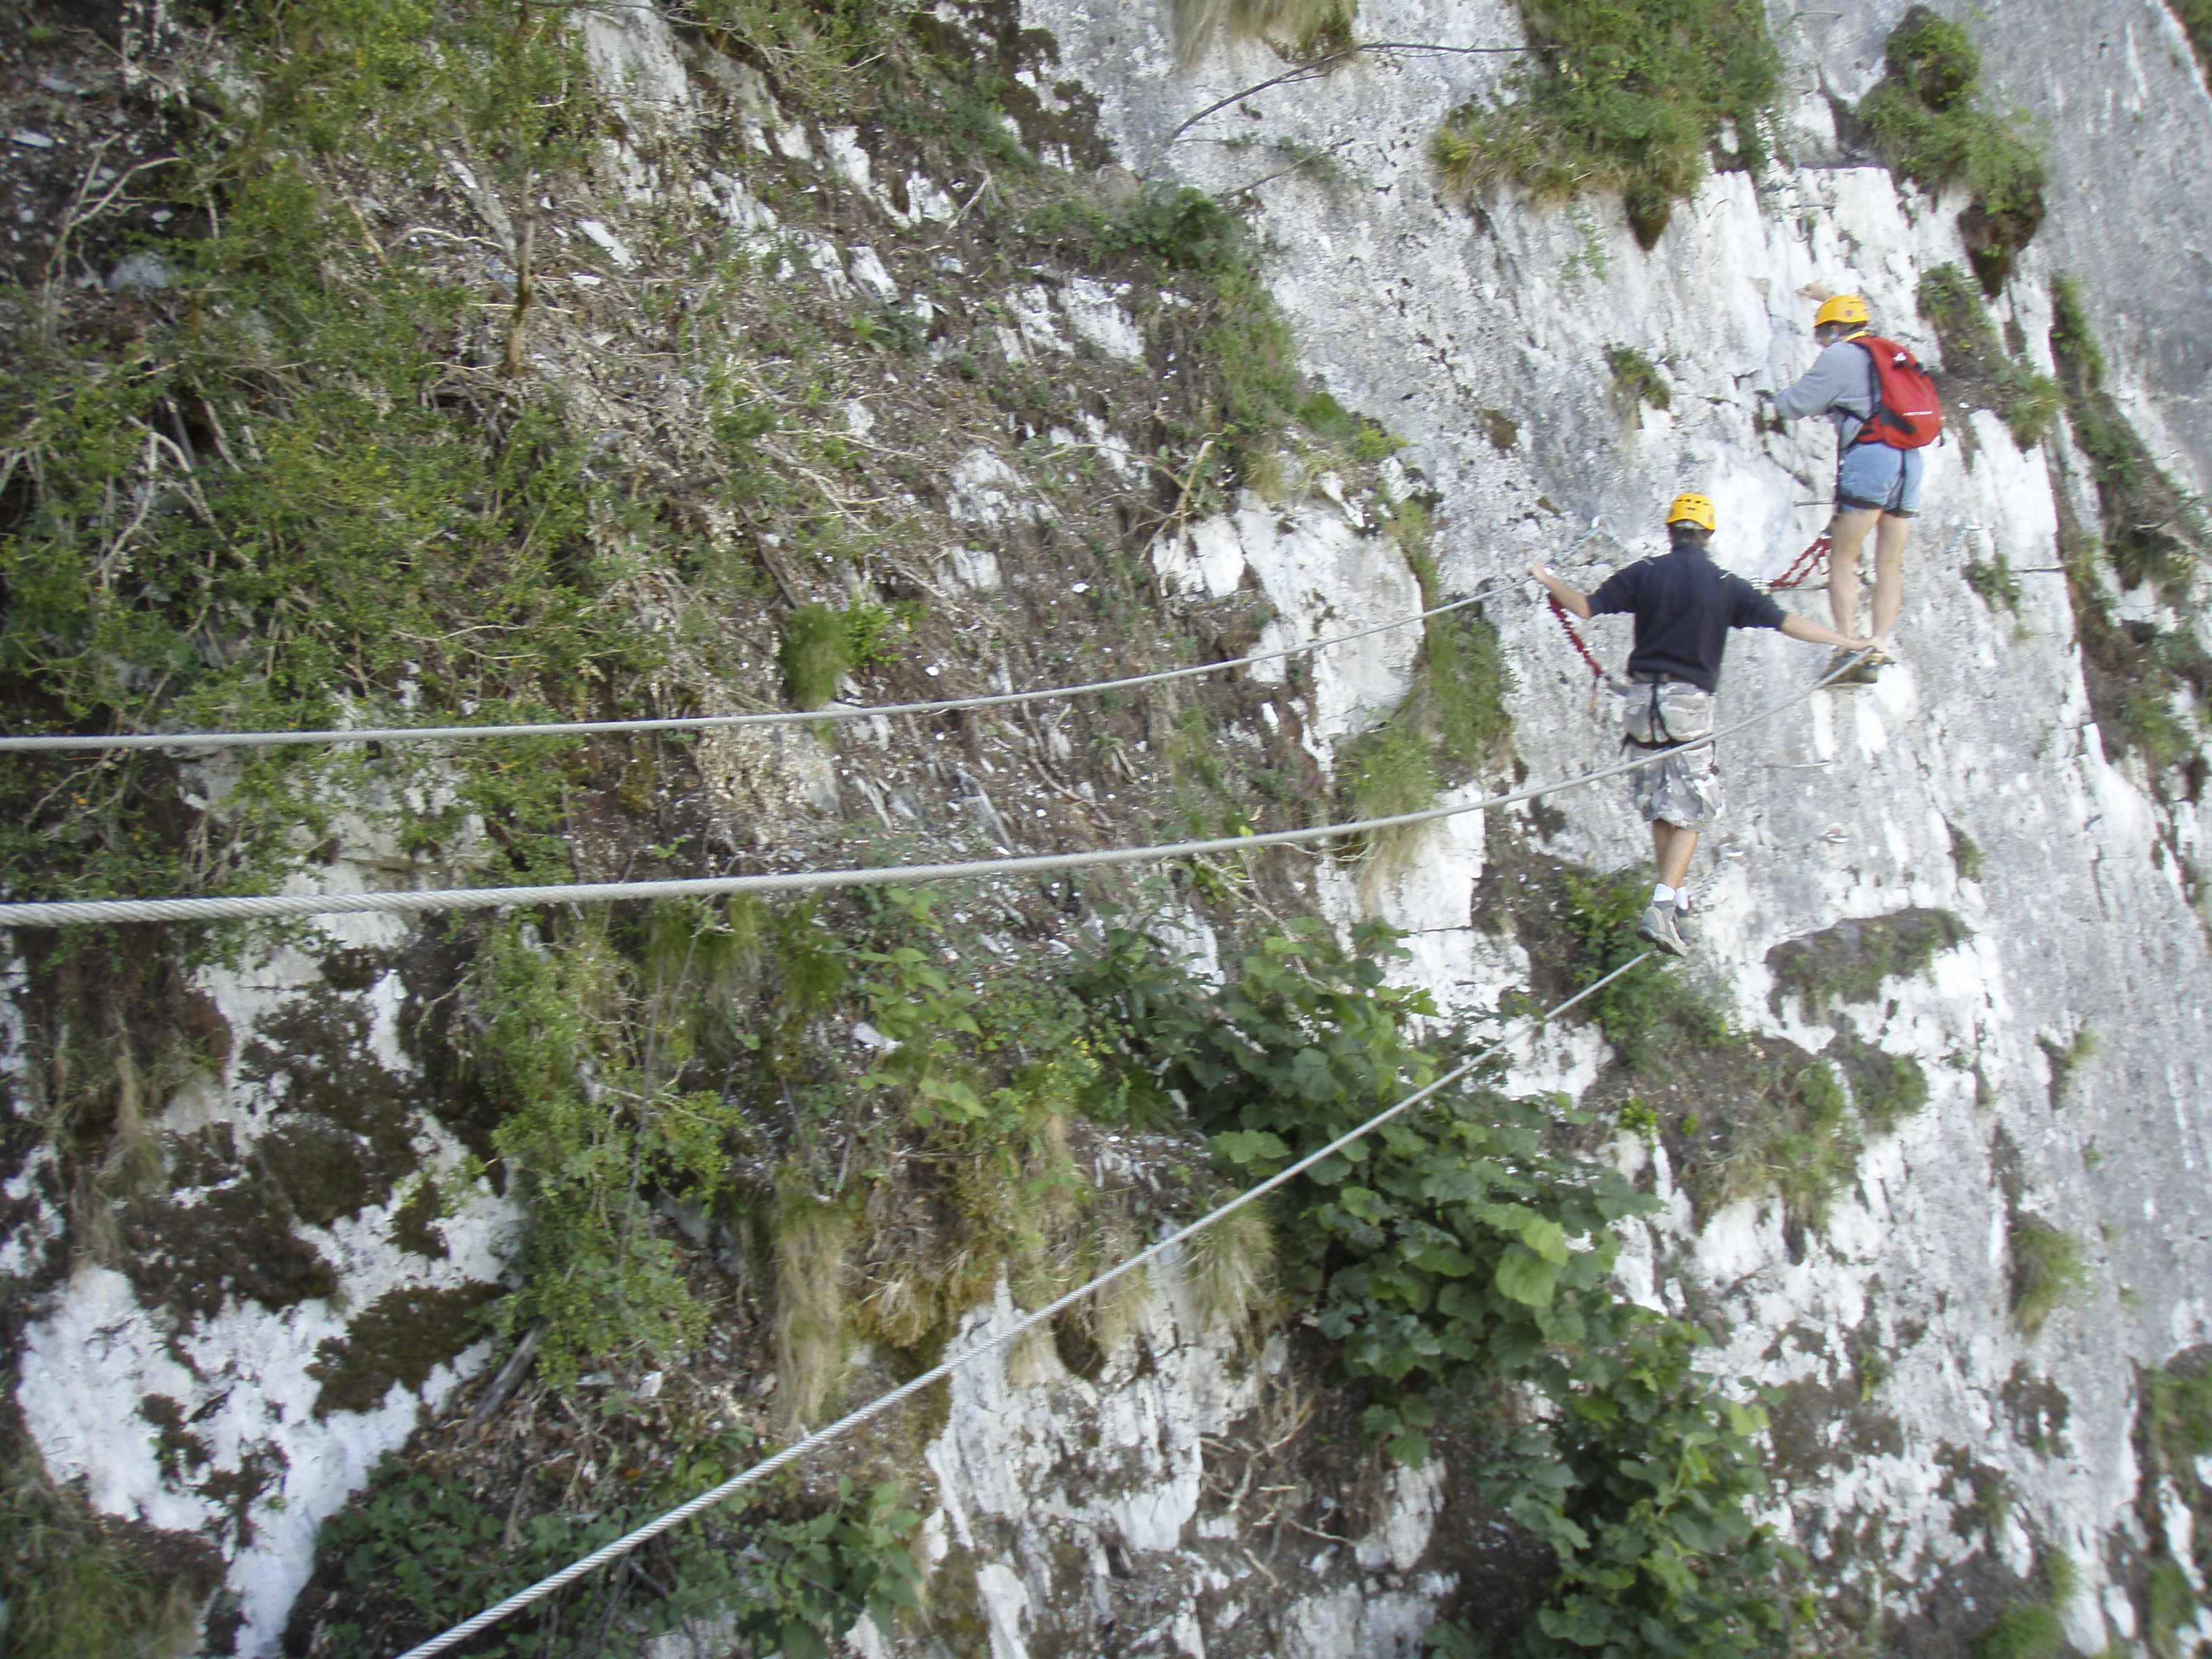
(323,1313)
(2082,909)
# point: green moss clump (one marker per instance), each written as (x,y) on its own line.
(1965,854)
(2048,1271)
(1851,961)
(1626,95)
(401,1337)
(1925,121)
(1993,579)
(1885,1088)
(1636,381)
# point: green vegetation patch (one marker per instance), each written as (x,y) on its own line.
(1925,118)
(1636,382)
(2142,679)
(2172,1431)
(76,1582)
(1979,373)
(1851,961)
(2048,1271)
(1631,96)
(2153,532)
(2195,18)
(2034,1630)
(1742,1116)
(1454,1250)
(1996,582)
(414,1553)
(1452,723)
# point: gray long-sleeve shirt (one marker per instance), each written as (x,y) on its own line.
(1839,385)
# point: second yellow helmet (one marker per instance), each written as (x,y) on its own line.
(1844,308)
(1694,509)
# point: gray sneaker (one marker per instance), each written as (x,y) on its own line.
(1657,928)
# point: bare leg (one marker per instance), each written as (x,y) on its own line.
(1889,543)
(1672,846)
(1848,530)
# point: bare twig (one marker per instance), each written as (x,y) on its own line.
(1314,69)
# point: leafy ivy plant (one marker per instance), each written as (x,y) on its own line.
(1457,1254)
(415,1554)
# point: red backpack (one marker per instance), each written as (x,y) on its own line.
(1907,413)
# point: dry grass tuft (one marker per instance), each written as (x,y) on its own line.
(809,1329)
(1309,28)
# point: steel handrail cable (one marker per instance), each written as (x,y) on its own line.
(882,1403)
(50,742)
(97,912)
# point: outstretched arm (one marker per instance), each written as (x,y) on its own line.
(1573,597)
(1804,628)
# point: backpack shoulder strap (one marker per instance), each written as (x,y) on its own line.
(1868,343)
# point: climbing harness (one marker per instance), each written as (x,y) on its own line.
(1664,710)
(1809,563)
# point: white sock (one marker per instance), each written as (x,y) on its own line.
(1682,900)
(1662,894)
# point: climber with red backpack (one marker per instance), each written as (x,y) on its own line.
(1885,411)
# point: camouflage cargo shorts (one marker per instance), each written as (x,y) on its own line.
(1681,785)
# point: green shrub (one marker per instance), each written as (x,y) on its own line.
(1183,230)
(1636,380)
(1625,95)
(1454,1250)
(414,1554)
(1925,121)
(2048,1271)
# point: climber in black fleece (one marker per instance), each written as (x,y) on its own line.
(1683,605)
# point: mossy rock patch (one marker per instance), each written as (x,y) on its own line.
(401,1337)
(1853,961)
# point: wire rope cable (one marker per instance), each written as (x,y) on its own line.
(266,905)
(50,742)
(884,1403)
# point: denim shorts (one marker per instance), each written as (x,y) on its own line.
(1875,475)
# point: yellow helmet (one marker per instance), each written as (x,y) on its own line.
(1694,509)
(1844,308)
